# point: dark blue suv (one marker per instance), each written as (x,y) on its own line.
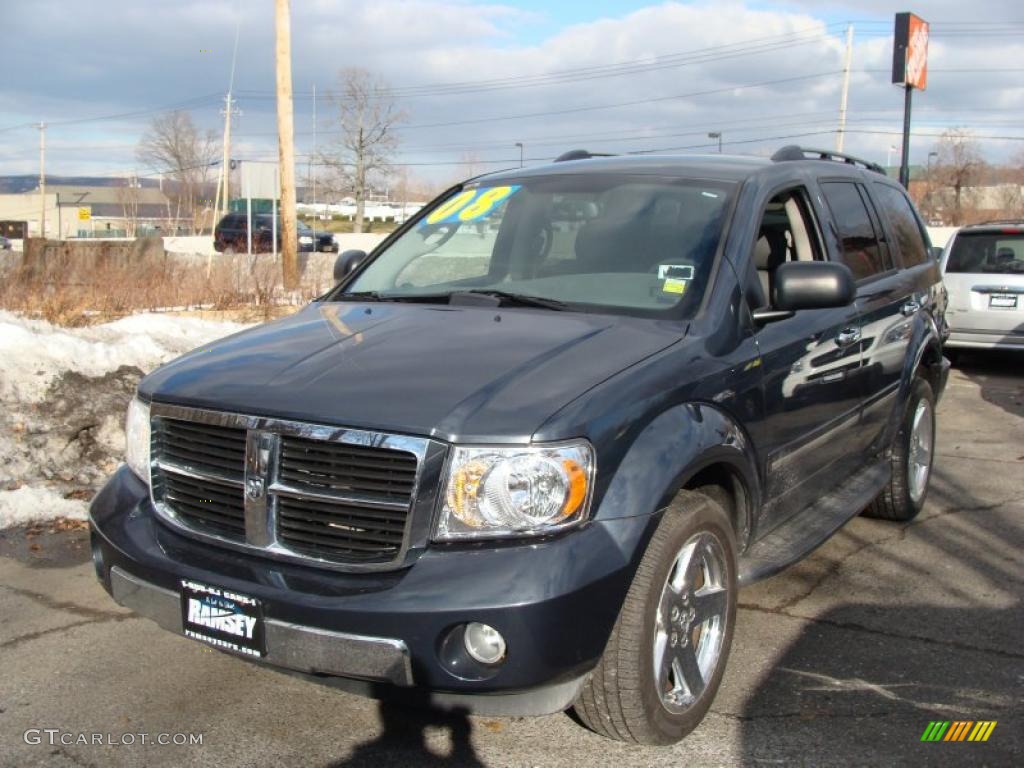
(523,455)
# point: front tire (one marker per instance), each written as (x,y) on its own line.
(667,652)
(913,450)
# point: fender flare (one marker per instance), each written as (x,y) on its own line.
(671,450)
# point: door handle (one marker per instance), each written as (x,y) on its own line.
(848,336)
(912,307)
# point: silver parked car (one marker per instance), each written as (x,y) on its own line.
(983,269)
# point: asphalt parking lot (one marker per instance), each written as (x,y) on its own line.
(843,659)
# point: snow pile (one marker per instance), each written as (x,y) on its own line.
(64,393)
(28,505)
(34,353)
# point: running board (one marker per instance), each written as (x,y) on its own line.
(810,528)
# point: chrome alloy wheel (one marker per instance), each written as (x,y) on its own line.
(919,458)
(690,622)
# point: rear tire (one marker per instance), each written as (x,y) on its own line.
(913,450)
(664,660)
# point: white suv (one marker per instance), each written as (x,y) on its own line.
(983,269)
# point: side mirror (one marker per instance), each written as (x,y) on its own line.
(808,285)
(346,263)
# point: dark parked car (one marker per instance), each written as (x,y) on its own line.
(230,234)
(525,467)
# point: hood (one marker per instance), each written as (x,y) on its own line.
(454,373)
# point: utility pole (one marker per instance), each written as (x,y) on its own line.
(841,133)
(42,180)
(225,194)
(286,144)
(312,169)
(228,108)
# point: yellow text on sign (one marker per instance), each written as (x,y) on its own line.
(451,206)
(84,214)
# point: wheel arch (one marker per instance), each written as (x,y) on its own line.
(694,446)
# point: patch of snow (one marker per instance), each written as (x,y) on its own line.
(32,504)
(33,353)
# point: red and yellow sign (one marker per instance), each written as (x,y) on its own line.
(910,51)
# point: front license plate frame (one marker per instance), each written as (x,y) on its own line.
(223,618)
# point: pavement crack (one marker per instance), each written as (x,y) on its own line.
(29,637)
(855,627)
(61,605)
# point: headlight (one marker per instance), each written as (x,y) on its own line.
(496,491)
(136,437)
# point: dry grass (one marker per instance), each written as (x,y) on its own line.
(246,287)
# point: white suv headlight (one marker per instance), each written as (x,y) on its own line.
(136,437)
(515,491)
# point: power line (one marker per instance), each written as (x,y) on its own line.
(599,107)
(701,56)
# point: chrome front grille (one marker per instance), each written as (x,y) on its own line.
(335,497)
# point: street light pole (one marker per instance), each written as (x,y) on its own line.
(520,145)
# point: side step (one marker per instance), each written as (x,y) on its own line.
(812,527)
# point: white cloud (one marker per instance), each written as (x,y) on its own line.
(144,55)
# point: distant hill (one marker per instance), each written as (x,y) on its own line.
(13,185)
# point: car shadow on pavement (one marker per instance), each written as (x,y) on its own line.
(853,689)
(999,375)
(403,741)
(932,635)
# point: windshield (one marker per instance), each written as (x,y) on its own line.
(640,245)
(988,252)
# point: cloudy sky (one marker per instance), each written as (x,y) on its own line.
(475,78)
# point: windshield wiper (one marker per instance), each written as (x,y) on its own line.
(508,298)
(377,296)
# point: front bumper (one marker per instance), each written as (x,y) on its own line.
(555,602)
(290,646)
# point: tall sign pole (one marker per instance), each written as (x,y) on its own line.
(286,147)
(909,70)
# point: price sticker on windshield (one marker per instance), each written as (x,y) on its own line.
(472,204)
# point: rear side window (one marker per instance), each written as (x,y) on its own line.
(861,252)
(905,226)
(988,253)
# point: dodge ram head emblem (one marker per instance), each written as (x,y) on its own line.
(254,487)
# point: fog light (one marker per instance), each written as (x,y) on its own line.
(484,643)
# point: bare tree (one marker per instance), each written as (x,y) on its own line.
(959,166)
(174,145)
(366,119)
(128,196)
(470,165)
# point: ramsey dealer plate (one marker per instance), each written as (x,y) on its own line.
(222,618)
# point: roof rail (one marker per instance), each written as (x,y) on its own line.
(794,152)
(580,154)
